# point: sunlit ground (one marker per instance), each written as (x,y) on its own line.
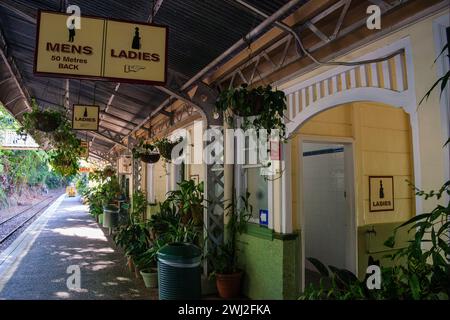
(85,232)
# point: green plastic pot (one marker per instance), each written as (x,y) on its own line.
(150,278)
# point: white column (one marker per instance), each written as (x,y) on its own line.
(286,190)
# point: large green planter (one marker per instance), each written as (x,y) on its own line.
(179,272)
(110,216)
(100,218)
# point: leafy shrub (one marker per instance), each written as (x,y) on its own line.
(417,273)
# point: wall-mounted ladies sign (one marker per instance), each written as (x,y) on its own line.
(101,48)
(381,193)
(85,117)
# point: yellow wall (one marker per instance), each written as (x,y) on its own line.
(161,169)
(382,142)
(194,169)
(160,181)
(384,148)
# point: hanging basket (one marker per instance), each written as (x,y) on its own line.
(256,103)
(166,151)
(47,122)
(166,146)
(150,158)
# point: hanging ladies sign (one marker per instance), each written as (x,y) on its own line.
(85,117)
(101,48)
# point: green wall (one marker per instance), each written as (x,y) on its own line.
(270,262)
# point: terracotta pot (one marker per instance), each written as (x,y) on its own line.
(130,264)
(229,285)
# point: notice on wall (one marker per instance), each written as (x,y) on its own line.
(125,166)
(85,149)
(381,193)
(100,48)
(85,117)
(264,217)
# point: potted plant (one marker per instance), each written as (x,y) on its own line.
(134,239)
(146,152)
(263,103)
(165,147)
(224,257)
(110,192)
(147,264)
(64,162)
(189,201)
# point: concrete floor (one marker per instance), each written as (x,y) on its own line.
(70,237)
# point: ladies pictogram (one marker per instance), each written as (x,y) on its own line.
(381,192)
(136,40)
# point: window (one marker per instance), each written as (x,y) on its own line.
(150,183)
(257,186)
(253,182)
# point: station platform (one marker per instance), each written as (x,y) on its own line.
(43,261)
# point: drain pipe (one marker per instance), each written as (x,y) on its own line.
(270,20)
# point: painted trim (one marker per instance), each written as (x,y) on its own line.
(255,230)
(285,236)
(286,189)
(322,151)
(440,39)
(392,98)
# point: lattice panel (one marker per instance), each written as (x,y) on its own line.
(137,174)
(215,195)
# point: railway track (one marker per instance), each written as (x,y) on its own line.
(12,224)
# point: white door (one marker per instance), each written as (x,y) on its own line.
(328,219)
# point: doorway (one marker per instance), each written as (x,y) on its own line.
(329,232)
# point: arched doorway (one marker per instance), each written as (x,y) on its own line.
(334,154)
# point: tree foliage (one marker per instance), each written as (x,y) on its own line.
(22,170)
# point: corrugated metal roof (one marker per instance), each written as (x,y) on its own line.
(199,31)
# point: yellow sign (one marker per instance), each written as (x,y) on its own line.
(85,117)
(135,51)
(76,53)
(101,48)
(85,147)
(381,193)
